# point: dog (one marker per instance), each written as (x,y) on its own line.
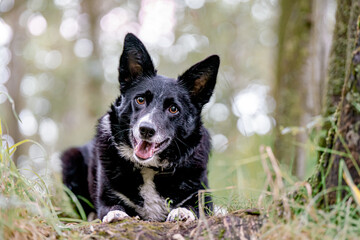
(150,152)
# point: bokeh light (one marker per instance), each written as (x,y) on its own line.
(252,105)
(69,28)
(83,48)
(195,4)
(5,33)
(6,5)
(48,131)
(37,24)
(157,19)
(28,125)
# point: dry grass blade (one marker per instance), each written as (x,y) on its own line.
(275,165)
(307,187)
(349,181)
(202,219)
(279,182)
(269,180)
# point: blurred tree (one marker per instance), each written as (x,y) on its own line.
(304,32)
(17,68)
(343,137)
(294,38)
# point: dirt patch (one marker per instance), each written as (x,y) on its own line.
(244,224)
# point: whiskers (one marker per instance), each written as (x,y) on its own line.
(177,146)
(121,131)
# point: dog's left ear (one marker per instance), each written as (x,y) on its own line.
(200,80)
(135,61)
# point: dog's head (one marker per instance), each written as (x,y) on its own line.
(160,115)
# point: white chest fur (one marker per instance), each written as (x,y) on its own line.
(154,205)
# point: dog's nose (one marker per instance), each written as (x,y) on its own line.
(147,130)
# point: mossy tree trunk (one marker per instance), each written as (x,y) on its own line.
(344,137)
(294,39)
(339,64)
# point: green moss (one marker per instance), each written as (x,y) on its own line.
(339,60)
(221,233)
(342,88)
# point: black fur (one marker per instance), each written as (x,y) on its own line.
(175,144)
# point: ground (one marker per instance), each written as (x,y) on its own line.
(243,224)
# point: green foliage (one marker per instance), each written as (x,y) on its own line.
(75,200)
(340,222)
(305,214)
(25,205)
(29,208)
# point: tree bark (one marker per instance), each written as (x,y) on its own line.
(340,58)
(344,138)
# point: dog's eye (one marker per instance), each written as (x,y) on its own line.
(140,100)
(173,109)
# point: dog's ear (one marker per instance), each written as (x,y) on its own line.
(135,61)
(200,79)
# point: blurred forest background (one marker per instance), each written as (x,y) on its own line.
(59,59)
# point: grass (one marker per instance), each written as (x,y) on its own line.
(25,206)
(341,222)
(307,221)
(29,208)
(291,218)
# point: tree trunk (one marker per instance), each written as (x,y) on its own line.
(344,138)
(340,58)
(93,82)
(294,38)
(17,69)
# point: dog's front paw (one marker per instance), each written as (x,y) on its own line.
(180,214)
(115,215)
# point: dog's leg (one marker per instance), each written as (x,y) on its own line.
(108,207)
(111,214)
(75,174)
(185,210)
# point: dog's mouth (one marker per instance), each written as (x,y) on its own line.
(145,150)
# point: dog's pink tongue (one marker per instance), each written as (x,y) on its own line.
(144,150)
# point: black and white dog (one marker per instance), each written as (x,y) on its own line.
(150,153)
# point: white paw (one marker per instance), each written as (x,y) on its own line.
(180,214)
(114,216)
